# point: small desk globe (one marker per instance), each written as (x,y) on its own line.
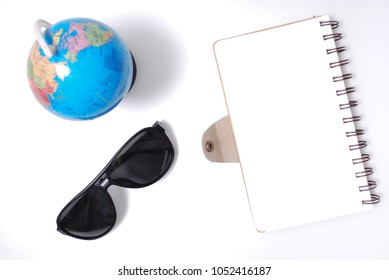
(79,68)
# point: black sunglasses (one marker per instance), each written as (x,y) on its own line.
(143,160)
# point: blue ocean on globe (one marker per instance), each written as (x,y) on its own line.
(89,73)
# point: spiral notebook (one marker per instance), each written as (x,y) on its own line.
(291,115)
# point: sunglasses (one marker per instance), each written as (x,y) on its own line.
(141,161)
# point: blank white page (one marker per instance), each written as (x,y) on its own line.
(289,130)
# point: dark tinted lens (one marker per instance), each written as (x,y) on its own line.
(144,160)
(89,215)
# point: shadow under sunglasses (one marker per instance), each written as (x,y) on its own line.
(141,161)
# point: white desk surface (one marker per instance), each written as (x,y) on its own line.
(200,210)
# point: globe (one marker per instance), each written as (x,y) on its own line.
(79,68)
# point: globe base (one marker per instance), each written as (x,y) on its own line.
(134,72)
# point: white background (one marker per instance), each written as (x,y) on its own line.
(199,211)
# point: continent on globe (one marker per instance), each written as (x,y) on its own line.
(89,73)
(81,36)
(41,74)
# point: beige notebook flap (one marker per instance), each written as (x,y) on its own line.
(219,142)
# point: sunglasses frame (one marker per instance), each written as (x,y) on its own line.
(103,182)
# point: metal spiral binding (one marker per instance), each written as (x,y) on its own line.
(351,119)
(356,132)
(336,50)
(367,171)
(363,158)
(347,90)
(360,145)
(348,105)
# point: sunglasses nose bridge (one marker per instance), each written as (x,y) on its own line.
(103,181)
